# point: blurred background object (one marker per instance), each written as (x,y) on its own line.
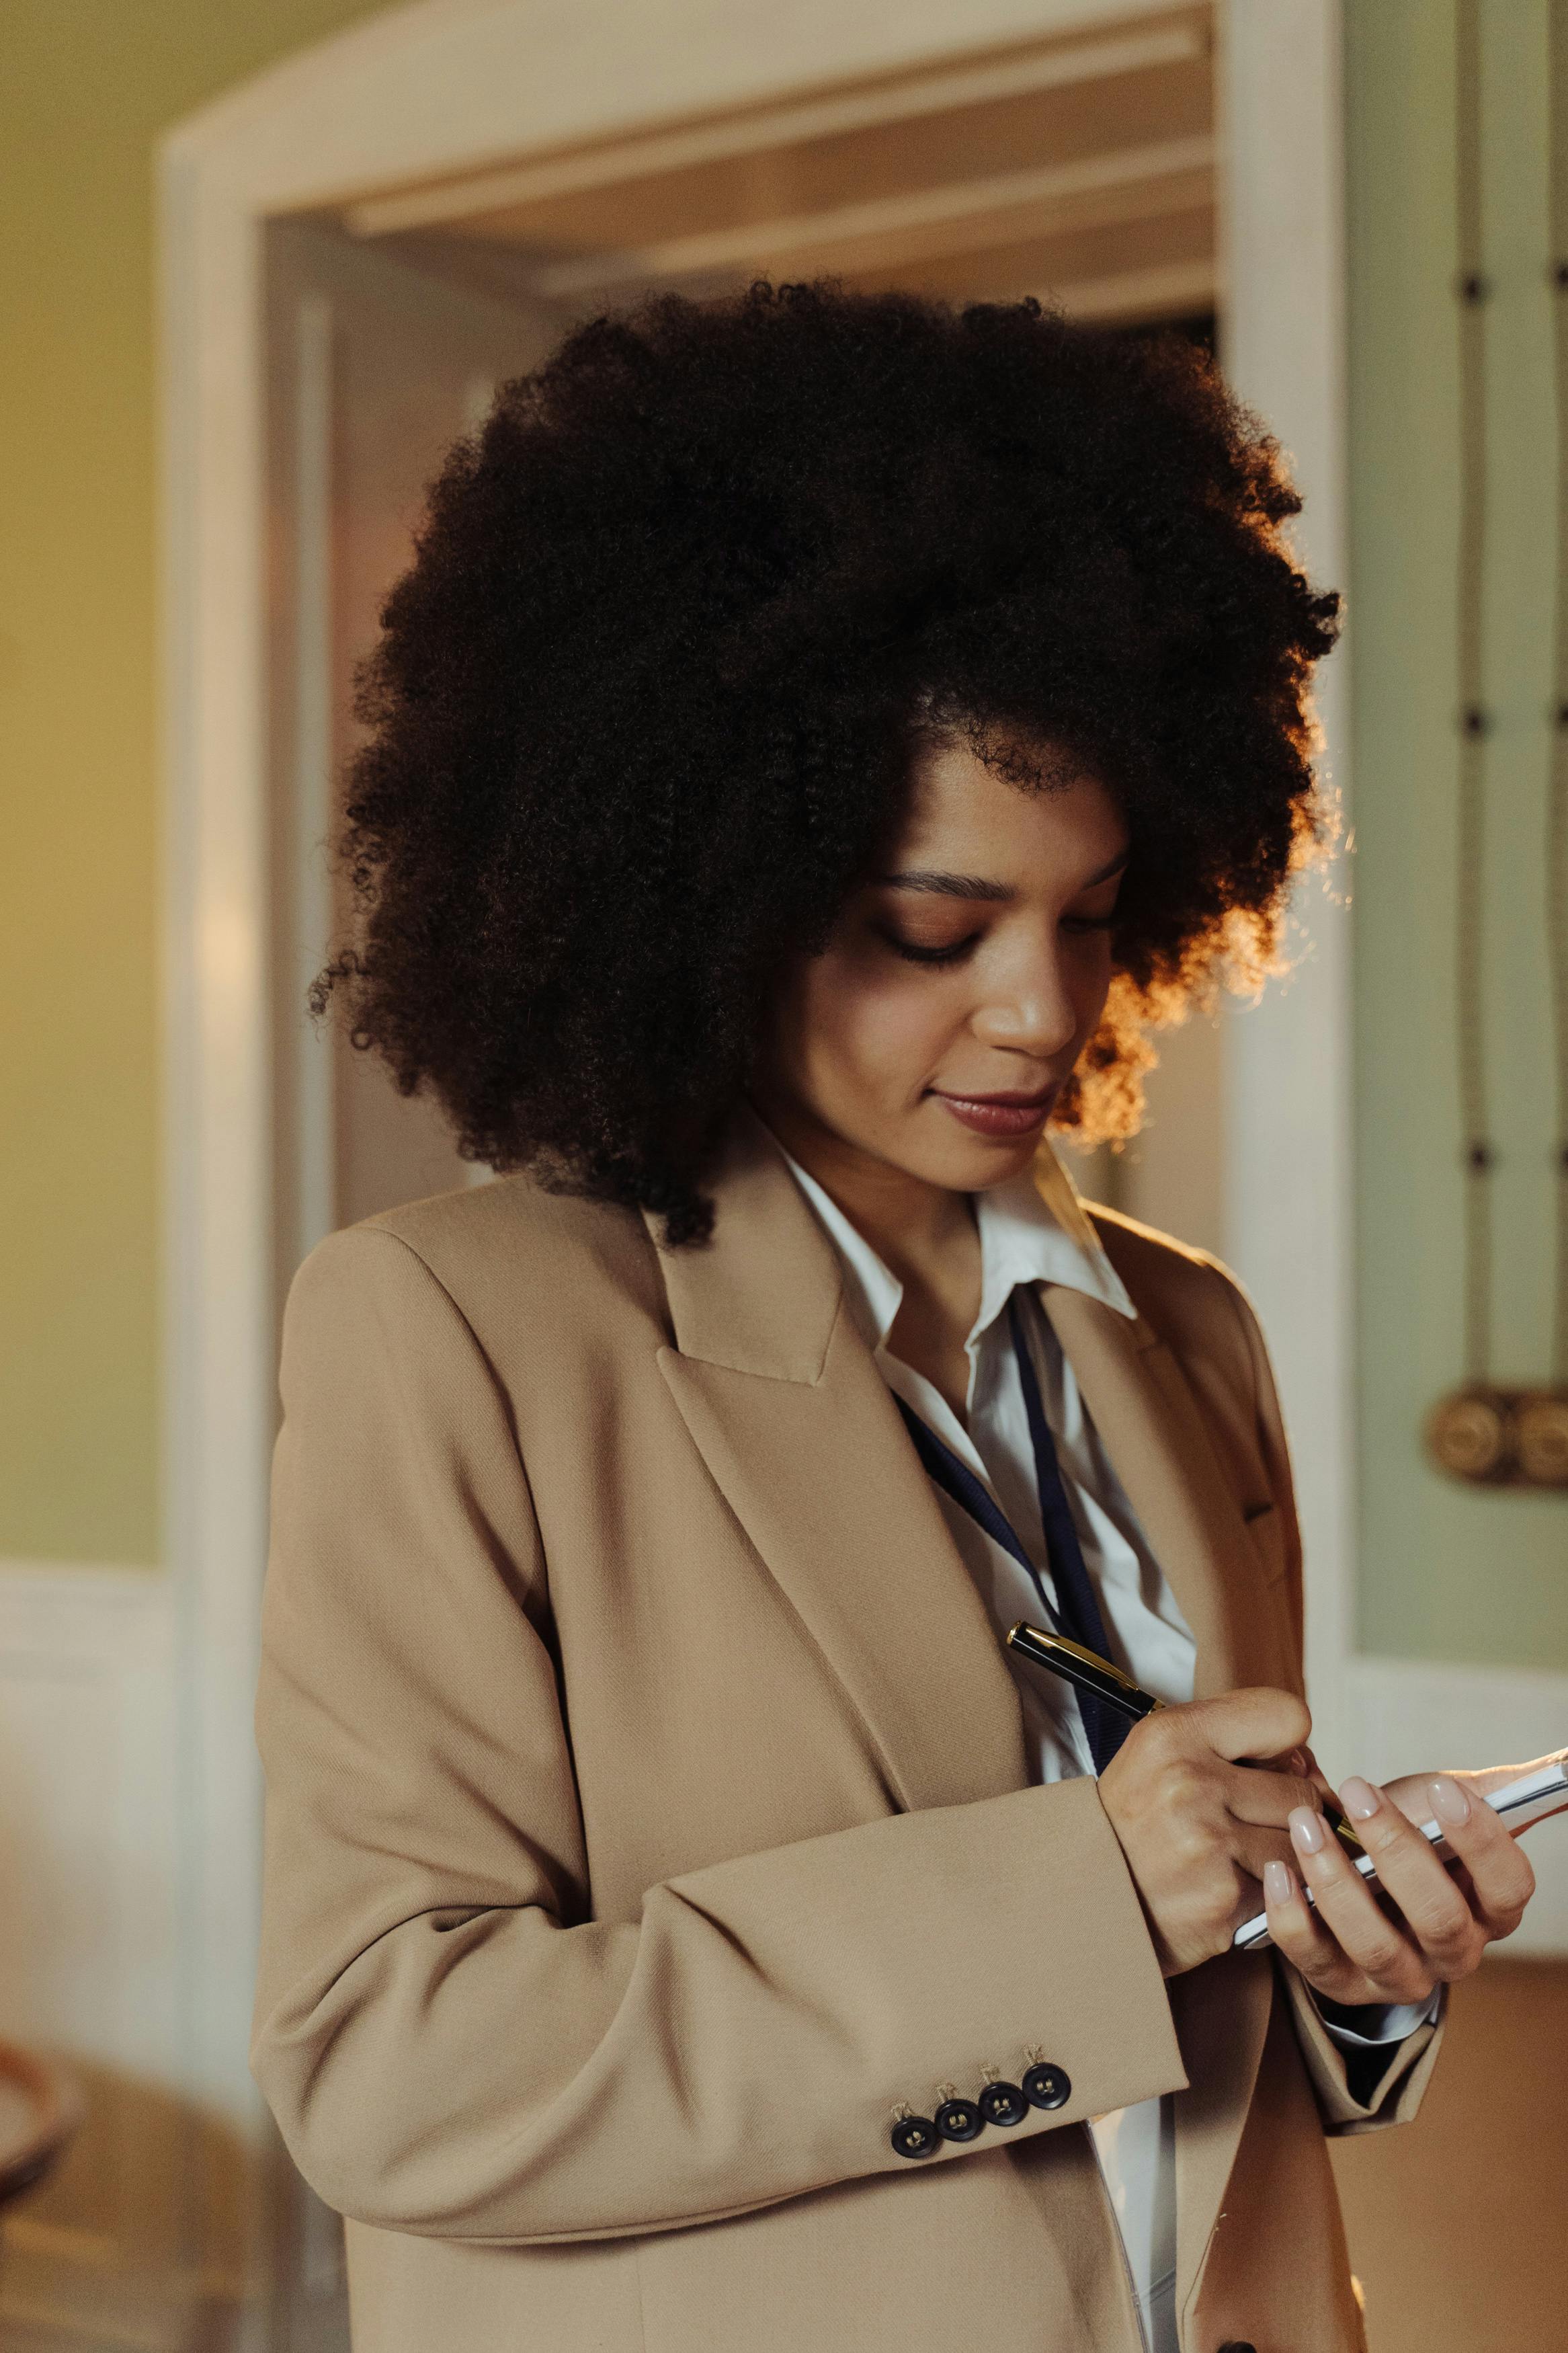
(261,264)
(40,2108)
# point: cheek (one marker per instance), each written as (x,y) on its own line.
(1091,980)
(871,1025)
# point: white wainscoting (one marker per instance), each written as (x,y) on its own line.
(89,1850)
(125,2245)
(1405,1715)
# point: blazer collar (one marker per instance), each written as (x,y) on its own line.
(761,1296)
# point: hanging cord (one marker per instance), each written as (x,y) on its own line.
(1557,794)
(1472,291)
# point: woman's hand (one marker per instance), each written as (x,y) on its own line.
(1436,1923)
(1198,1828)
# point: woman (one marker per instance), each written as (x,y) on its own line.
(817,736)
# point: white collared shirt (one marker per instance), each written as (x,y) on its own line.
(1032,1231)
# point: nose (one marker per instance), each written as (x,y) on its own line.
(1032,1008)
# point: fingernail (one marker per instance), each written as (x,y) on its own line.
(1279,1882)
(1299,1763)
(1359,1798)
(1306,1831)
(1449,1802)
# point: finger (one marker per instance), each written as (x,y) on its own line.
(1493,1778)
(1435,1909)
(1412,1793)
(1252,1845)
(1262,1798)
(1501,1881)
(1255,1723)
(1388,1955)
(1307,1765)
(1300,1935)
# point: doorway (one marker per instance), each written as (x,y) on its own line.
(1081,170)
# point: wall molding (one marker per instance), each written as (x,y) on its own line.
(75,1602)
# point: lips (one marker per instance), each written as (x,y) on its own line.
(1000,1114)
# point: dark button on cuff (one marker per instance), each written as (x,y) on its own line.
(914,2136)
(1003,2103)
(959,2120)
(1046,2086)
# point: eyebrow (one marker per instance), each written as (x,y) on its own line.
(977,886)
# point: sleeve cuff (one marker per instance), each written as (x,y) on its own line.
(1361,2083)
(1363,2026)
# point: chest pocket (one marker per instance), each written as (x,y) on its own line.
(1268,1540)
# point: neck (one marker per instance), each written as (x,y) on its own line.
(915,1227)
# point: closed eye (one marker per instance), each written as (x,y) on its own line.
(913,954)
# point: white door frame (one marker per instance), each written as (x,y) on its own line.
(443,86)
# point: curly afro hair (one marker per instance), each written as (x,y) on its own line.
(645,704)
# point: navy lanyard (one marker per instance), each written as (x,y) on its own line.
(1075,1612)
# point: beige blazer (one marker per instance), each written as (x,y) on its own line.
(648,1814)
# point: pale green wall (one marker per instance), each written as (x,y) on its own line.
(86,86)
(1446,1572)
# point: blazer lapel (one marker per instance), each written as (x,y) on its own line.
(784,1401)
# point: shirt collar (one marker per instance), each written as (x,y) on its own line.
(1034,1228)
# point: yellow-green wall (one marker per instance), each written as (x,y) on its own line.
(86,90)
(1446,1572)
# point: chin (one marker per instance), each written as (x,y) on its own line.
(966,1163)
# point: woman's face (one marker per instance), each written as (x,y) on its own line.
(937,1028)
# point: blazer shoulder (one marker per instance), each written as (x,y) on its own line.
(496,1247)
(1189,1296)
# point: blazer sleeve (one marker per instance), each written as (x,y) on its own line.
(451,2043)
(1356,2090)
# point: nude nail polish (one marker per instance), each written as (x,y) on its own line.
(1359,1798)
(1306,1831)
(1279,1882)
(1449,1802)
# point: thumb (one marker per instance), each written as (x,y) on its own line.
(1255,1724)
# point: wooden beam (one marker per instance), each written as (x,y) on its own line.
(919,208)
(776,126)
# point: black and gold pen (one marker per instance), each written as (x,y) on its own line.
(1086,1670)
(1083,1668)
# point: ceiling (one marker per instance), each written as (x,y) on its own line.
(1081,169)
